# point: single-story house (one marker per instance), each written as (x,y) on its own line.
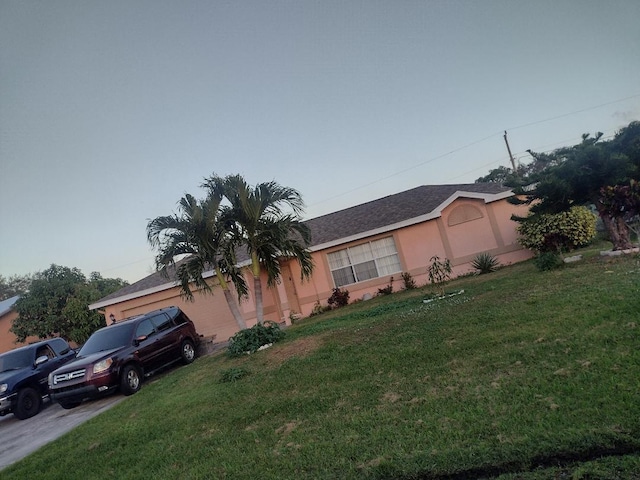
(360,249)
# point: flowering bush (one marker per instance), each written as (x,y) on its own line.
(562,231)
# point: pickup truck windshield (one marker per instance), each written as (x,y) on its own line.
(15,360)
(116,336)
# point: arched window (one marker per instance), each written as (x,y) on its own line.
(463,213)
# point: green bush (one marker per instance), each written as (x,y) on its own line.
(548,261)
(485,263)
(251,339)
(562,231)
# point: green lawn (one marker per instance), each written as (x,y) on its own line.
(526,375)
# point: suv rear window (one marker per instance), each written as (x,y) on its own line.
(181,318)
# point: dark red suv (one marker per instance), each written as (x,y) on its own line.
(121,355)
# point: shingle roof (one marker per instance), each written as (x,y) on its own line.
(390,210)
(346,224)
(7,305)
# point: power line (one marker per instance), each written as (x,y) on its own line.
(438,157)
(575,112)
(536,149)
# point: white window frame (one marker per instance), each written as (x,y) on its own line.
(364,261)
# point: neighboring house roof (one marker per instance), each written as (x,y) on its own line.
(7,305)
(378,216)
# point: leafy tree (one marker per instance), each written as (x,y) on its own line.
(264,229)
(202,232)
(579,175)
(57,304)
(627,142)
(14,285)
(575,175)
(502,175)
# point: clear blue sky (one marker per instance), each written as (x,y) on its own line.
(111,110)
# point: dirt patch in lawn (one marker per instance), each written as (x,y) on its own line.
(281,352)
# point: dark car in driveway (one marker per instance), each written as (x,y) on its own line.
(121,355)
(24,372)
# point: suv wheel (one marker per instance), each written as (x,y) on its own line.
(28,403)
(187,352)
(130,380)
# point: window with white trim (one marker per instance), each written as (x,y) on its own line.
(365,261)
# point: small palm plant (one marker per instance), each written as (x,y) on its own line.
(485,263)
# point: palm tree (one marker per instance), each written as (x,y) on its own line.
(264,228)
(201,232)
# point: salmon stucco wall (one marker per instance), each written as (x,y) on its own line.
(7,338)
(465,229)
(210,313)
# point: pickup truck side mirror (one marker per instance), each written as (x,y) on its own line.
(40,360)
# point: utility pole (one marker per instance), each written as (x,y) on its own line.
(513,162)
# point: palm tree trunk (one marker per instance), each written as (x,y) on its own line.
(233,306)
(257,287)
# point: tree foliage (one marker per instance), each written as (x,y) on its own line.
(265,220)
(201,231)
(576,175)
(14,285)
(57,304)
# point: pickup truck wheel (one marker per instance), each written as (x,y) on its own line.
(130,380)
(69,405)
(27,404)
(187,352)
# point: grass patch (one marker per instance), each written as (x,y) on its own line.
(526,375)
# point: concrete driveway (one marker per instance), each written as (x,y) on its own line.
(22,437)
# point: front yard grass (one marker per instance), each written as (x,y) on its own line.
(527,375)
